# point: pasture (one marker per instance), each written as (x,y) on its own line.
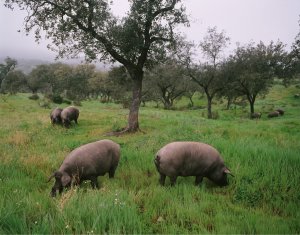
(264,156)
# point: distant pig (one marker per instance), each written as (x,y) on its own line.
(255,115)
(87,162)
(280,111)
(191,159)
(69,114)
(55,116)
(273,114)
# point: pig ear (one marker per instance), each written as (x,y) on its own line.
(65,180)
(227,171)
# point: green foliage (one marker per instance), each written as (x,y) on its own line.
(120,85)
(166,83)
(262,198)
(57,99)
(9,65)
(66,101)
(138,40)
(34,97)
(254,68)
(206,75)
(14,81)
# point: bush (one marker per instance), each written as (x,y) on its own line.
(57,99)
(215,115)
(76,103)
(44,103)
(34,97)
(66,101)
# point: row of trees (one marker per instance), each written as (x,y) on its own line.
(145,38)
(248,73)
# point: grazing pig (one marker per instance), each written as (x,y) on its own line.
(191,159)
(255,115)
(69,114)
(273,114)
(280,111)
(55,116)
(87,162)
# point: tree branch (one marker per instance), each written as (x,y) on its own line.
(166,9)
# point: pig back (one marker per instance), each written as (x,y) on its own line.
(187,158)
(93,159)
(70,113)
(55,113)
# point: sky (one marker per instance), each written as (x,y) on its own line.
(242,20)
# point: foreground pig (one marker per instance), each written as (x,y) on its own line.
(55,116)
(69,114)
(87,162)
(191,159)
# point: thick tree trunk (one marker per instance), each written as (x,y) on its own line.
(133,117)
(251,100)
(167,104)
(251,107)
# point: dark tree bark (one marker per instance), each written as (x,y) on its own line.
(251,100)
(89,27)
(133,117)
(209,103)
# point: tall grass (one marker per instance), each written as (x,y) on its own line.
(263,197)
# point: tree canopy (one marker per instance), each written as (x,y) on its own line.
(206,74)
(136,41)
(5,68)
(255,67)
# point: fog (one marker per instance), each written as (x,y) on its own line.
(243,21)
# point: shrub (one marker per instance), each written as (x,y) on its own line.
(215,115)
(34,97)
(44,104)
(57,99)
(76,103)
(66,101)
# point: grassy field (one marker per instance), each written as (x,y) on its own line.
(264,156)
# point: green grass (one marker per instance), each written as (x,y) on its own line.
(264,156)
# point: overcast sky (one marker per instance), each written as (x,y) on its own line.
(242,20)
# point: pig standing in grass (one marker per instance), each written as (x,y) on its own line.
(87,162)
(255,115)
(69,114)
(280,111)
(55,116)
(273,114)
(191,159)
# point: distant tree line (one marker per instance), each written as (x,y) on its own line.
(157,63)
(247,73)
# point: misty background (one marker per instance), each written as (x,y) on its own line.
(243,21)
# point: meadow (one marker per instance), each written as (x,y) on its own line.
(264,156)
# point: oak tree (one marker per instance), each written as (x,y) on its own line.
(206,74)
(88,26)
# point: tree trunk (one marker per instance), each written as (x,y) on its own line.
(191,101)
(209,102)
(167,104)
(229,101)
(133,117)
(251,100)
(251,107)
